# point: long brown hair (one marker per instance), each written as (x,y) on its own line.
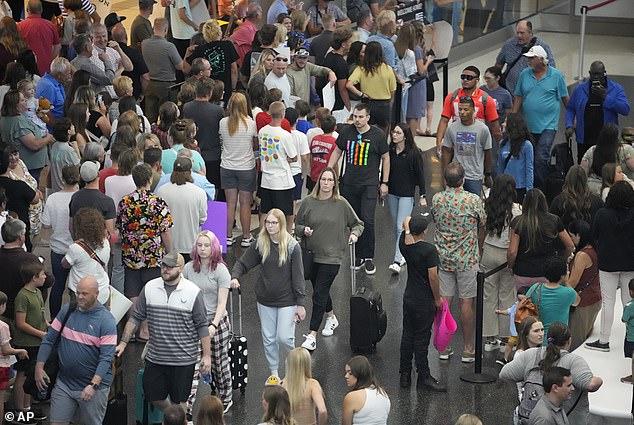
(11,38)
(576,193)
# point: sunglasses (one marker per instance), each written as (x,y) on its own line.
(281,59)
(467,77)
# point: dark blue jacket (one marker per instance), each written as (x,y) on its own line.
(615,104)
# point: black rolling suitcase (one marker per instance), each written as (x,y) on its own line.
(117,407)
(238,349)
(368,320)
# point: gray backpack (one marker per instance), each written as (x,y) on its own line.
(532,391)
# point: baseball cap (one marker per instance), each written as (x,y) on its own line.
(418,223)
(89,171)
(173,259)
(536,51)
(113,19)
(183,164)
(302,52)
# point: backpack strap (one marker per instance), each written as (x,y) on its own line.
(484,99)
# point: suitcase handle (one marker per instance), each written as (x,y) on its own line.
(353,277)
(239,308)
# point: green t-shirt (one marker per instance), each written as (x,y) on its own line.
(628,318)
(32,304)
(554,304)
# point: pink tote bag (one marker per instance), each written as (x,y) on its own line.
(444,327)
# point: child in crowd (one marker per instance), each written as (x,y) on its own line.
(628,319)
(30,326)
(27,89)
(321,147)
(320,114)
(301,144)
(303,109)
(7,356)
(513,325)
(217,93)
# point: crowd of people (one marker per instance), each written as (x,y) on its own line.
(117,146)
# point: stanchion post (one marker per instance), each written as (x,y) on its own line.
(477,377)
(582,47)
(445,78)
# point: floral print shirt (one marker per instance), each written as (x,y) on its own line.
(142,218)
(457,214)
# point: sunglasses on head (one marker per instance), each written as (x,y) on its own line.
(281,59)
(467,77)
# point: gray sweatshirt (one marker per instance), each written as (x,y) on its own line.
(276,286)
(332,221)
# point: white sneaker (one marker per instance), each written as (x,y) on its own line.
(310,343)
(395,268)
(331,324)
(492,345)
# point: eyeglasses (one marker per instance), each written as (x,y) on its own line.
(467,77)
(271,223)
(281,59)
(326,179)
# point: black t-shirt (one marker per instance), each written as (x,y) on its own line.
(530,263)
(19,197)
(420,257)
(220,54)
(593,119)
(207,117)
(140,68)
(362,154)
(337,64)
(93,198)
(565,211)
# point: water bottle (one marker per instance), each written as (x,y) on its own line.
(43,394)
(208,378)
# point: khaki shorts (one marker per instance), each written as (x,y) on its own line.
(464,280)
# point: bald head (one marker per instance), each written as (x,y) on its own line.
(254,12)
(454,174)
(597,72)
(88,283)
(119,34)
(34,7)
(87,292)
(524,31)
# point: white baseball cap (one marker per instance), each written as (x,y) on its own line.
(536,51)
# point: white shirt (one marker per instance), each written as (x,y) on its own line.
(113,56)
(180,30)
(276,146)
(119,186)
(82,265)
(57,216)
(301,145)
(272,81)
(188,205)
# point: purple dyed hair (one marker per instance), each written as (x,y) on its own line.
(216,252)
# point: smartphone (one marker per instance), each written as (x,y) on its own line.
(596,83)
(99,100)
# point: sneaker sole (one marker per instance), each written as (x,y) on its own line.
(468,360)
(604,350)
(370,272)
(228,406)
(312,348)
(246,245)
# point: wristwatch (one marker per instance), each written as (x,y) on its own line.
(94,386)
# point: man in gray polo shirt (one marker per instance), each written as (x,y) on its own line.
(558,388)
(99,78)
(163,61)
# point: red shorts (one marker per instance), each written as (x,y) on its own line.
(5,376)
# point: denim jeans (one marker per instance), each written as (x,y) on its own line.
(118,273)
(278,332)
(543,145)
(473,186)
(363,202)
(57,291)
(400,207)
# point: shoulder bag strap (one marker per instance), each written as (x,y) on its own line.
(506,161)
(524,50)
(574,405)
(91,253)
(64,320)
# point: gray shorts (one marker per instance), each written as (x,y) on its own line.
(243,180)
(465,281)
(66,404)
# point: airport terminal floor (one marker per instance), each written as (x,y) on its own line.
(494,402)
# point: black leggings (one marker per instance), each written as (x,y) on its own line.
(322,278)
